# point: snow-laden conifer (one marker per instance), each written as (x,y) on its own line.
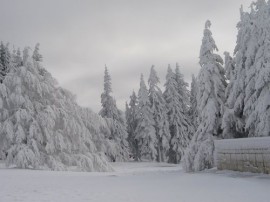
(237,97)
(145,130)
(36,55)
(115,120)
(5,59)
(182,88)
(257,111)
(132,121)
(210,99)
(229,120)
(193,111)
(43,127)
(158,107)
(179,123)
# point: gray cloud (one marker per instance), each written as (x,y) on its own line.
(79,37)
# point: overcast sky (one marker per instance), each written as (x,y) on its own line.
(79,37)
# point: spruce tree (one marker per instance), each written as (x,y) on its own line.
(256,109)
(182,88)
(5,59)
(116,121)
(210,99)
(158,107)
(179,123)
(36,55)
(145,130)
(243,61)
(229,121)
(193,111)
(132,121)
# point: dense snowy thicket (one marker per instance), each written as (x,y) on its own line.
(210,99)
(163,127)
(41,124)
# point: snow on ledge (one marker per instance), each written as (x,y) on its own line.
(262,143)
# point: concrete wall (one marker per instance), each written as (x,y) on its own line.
(245,154)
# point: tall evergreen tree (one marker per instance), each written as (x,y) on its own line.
(131,117)
(4,61)
(179,123)
(145,130)
(243,61)
(115,119)
(36,55)
(229,121)
(158,107)
(193,111)
(182,88)
(257,107)
(210,99)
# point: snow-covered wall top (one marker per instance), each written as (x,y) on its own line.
(245,154)
(243,143)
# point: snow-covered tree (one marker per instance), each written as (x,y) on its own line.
(244,57)
(193,111)
(182,88)
(4,61)
(131,117)
(257,100)
(158,107)
(210,99)
(36,55)
(145,130)
(179,122)
(16,58)
(42,126)
(115,120)
(25,55)
(229,119)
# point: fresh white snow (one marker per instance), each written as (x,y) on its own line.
(133,182)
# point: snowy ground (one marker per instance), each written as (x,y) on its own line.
(133,182)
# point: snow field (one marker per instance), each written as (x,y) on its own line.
(133,182)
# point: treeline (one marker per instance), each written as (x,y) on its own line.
(228,99)
(43,127)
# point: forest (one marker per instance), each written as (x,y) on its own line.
(43,127)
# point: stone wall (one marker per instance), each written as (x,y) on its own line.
(245,154)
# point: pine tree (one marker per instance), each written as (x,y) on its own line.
(25,55)
(243,60)
(145,130)
(36,55)
(179,123)
(182,88)
(131,113)
(115,120)
(256,110)
(210,99)
(158,107)
(229,121)
(4,61)
(193,111)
